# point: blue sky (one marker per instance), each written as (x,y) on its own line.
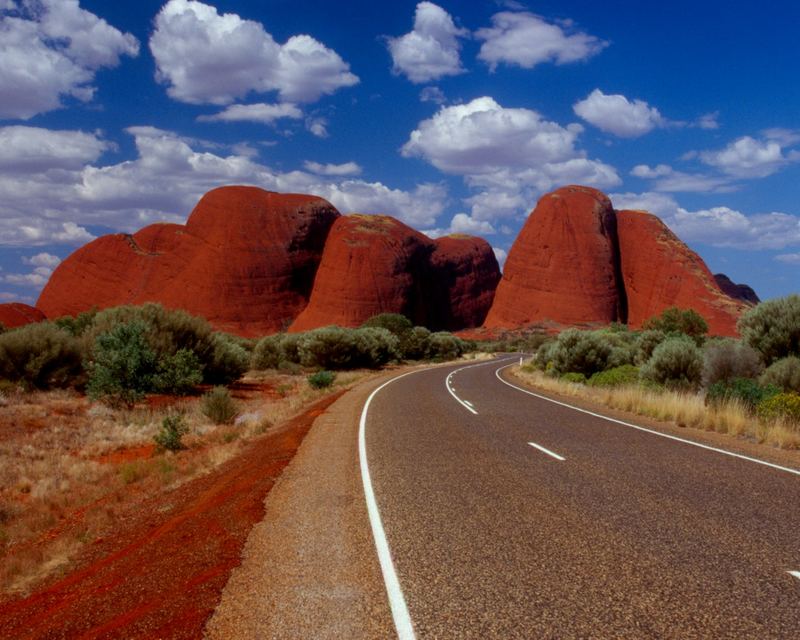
(452,116)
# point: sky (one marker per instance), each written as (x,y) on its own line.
(454,117)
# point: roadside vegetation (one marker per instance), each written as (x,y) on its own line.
(672,371)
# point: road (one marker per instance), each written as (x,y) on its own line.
(510,516)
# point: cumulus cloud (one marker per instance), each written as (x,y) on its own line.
(788,258)
(51,49)
(463,223)
(717,226)
(26,149)
(432,49)
(57,203)
(432,94)
(43,260)
(501,255)
(258,112)
(207,58)
(505,153)
(749,157)
(525,39)
(344,169)
(668,179)
(317,127)
(614,113)
(35,279)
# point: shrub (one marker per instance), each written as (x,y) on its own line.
(783,373)
(782,406)
(572,376)
(227,362)
(675,363)
(726,359)
(77,325)
(321,379)
(41,356)
(395,323)
(544,354)
(268,353)
(675,321)
(218,406)
(179,373)
(445,346)
(744,390)
(414,344)
(170,437)
(585,352)
(773,328)
(338,348)
(627,374)
(378,346)
(646,342)
(123,365)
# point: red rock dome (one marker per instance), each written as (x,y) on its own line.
(17,314)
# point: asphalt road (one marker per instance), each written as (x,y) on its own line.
(630,535)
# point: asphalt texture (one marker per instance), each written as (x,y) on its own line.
(630,536)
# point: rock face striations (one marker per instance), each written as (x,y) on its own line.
(577,261)
(16,314)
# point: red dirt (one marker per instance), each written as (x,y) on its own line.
(162,574)
(121,456)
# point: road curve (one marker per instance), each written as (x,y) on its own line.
(509,516)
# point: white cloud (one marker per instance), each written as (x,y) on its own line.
(51,49)
(26,149)
(43,260)
(463,223)
(668,179)
(614,113)
(784,137)
(789,258)
(749,158)
(345,169)
(208,58)
(501,255)
(432,94)
(431,50)
(717,226)
(36,278)
(317,126)
(258,112)
(526,40)
(708,121)
(512,152)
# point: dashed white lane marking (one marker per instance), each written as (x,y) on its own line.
(547,451)
(468,403)
(796,574)
(448,383)
(646,430)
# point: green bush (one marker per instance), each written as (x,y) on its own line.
(445,346)
(646,342)
(218,406)
(677,321)
(585,352)
(170,437)
(77,325)
(572,376)
(773,328)
(178,374)
(783,373)
(414,344)
(544,354)
(268,353)
(676,363)
(782,406)
(123,366)
(726,359)
(321,379)
(338,348)
(41,356)
(626,374)
(744,390)
(395,323)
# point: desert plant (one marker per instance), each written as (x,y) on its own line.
(77,325)
(646,342)
(577,378)
(782,406)
(179,373)
(585,352)
(773,328)
(218,406)
(337,348)
(726,359)
(395,323)
(615,377)
(267,354)
(41,355)
(321,379)
(445,346)
(783,373)
(675,363)
(544,354)
(675,321)
(747,392)
(170,436)
(414,344)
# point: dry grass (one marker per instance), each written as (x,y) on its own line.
(684,409)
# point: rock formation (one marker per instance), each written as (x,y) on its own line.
(245,260)
(564,264)
(659,271)
(741,292)
(16,314)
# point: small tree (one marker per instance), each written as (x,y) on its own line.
(783,373)
(724,360)
(676,363)
(675,320)
(773,328)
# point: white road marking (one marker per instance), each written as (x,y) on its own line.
(467,402)
(449,385)
(547,451)
(646,430)
(796,574)
(397,602)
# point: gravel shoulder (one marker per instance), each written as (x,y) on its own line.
(309,568)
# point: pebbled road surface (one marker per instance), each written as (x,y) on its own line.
(629,536)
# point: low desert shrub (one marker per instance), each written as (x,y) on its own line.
(747,392)
(679,321)
(726,359)
(178,374)
(218,406)
(337,348)
(77,325)
(445,346)
(585,352)
(170,436)
(626,374)
(783,373)
(395,323)
(782,406)
(544,355)
(572,376)
(41,356)
(773,328)
(414,344)
(268,353)
(321,379)
(646,342)
(676,363)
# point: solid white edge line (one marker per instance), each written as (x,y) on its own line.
(796,574)
(645,429)
(547,451)
(464,403)
(397,602)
